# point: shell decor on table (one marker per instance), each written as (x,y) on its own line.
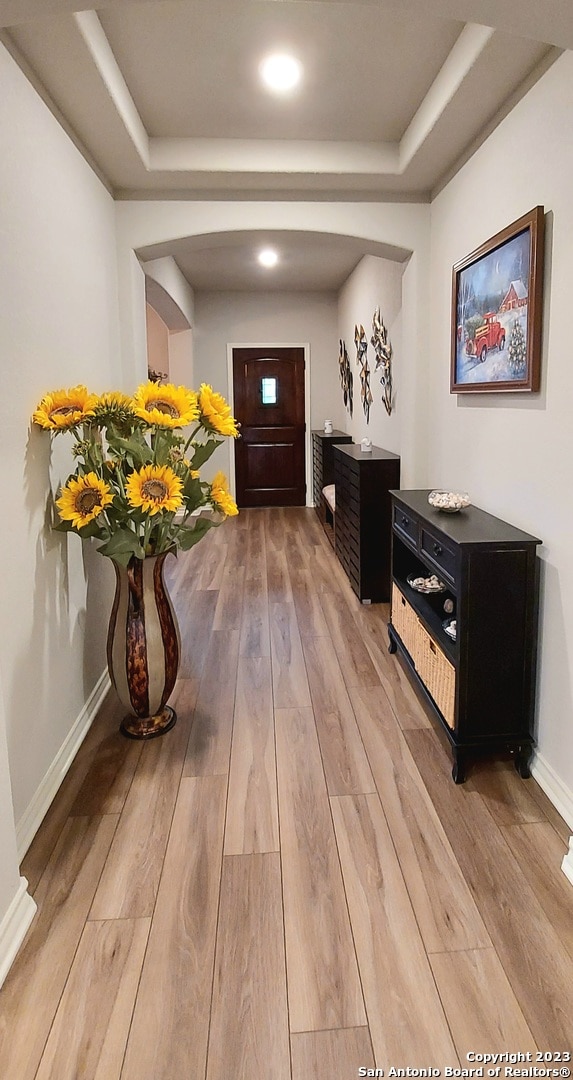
(450,501)
(431,584)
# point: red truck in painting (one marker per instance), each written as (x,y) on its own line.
(489,336)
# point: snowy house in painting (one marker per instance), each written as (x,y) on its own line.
(516,296)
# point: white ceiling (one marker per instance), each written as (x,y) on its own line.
(163,98)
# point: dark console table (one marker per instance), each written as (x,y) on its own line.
(323,474)
(480,685)
(362,521)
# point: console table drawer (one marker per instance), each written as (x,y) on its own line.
(406,524)
(438,553)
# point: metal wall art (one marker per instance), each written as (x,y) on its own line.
(365,392)
(156,376)
(346,379)
(383,350)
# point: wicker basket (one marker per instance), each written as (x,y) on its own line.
(437,674)
(433,667)
(405,621)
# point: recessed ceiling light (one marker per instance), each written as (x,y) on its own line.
(268,257)
(280,72)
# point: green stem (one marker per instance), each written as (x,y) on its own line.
(120,483)
(191,437)
(204,501)
(165,529)
(147,532)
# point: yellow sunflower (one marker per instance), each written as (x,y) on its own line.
(115,408)
(221,496)
(166,406)
(64,409)
(82,499)
(114,401)
(215,413)
(154,488)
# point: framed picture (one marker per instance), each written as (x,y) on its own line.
(496,311)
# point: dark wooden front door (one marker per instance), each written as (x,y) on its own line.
(268,388)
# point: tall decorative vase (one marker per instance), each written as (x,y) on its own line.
(143,647)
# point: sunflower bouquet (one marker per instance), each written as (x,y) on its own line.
(137,484)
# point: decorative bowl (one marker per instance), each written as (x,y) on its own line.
(449,501)
(430,584)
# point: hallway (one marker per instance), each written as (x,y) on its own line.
(287,885)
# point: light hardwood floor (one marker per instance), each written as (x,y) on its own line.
(288,885)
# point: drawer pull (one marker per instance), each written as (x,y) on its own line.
(438,550)
(405,521)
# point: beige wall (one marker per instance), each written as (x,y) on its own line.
(59,325)
(181,368)
(513,452)
(157,342)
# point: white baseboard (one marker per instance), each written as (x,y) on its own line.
(37,809)
(14,926)
(561,797)
(557,792)
(567,864)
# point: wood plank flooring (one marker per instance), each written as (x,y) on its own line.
(288,885)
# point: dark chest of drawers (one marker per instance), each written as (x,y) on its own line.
(363,517)
(481,685)
(323,473)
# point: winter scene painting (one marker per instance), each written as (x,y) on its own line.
(496,311)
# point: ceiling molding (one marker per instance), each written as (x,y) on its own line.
(292,194)
(101,53)
(469,46)
(272,156)
(548,22)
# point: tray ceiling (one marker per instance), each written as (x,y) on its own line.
(163,99)
(164,96)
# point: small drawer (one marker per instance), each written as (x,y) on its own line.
(439,554)
(407,524)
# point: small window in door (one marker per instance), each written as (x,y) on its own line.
(269,390)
